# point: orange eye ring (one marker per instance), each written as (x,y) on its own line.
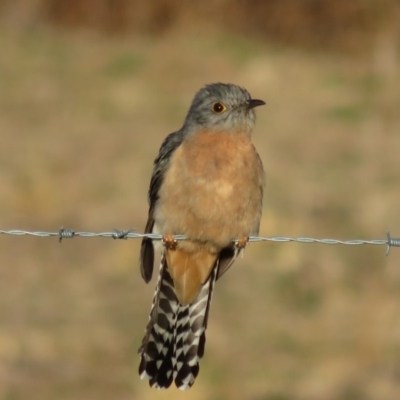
(218,108)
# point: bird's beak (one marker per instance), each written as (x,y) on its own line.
(254,103)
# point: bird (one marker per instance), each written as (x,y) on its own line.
(207,184)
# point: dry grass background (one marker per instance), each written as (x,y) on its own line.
(82,117)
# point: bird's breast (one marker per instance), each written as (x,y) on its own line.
(212,189)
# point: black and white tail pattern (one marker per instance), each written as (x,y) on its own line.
(175,335)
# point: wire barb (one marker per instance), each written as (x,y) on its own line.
(391,242)
(117,234)
(65,233)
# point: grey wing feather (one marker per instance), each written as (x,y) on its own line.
(170,144)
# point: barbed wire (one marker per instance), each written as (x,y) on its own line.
(64,233)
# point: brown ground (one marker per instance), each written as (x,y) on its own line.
(81,120)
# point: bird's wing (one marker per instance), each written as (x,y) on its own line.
(170,144)
(227,257)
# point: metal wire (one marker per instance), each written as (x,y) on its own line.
(64,233)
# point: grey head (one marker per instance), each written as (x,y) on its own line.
(222,107)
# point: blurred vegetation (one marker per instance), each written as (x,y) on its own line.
(88,92)
(343,25)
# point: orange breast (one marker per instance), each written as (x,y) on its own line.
(212,189)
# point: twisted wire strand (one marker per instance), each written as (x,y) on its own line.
(65,233)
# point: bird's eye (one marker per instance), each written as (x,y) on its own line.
(218,108)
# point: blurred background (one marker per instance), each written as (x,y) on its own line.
(89,89)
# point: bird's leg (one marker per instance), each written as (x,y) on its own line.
(169,241)
(241,242)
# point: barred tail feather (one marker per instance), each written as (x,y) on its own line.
(175,335)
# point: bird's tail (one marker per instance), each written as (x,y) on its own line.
(175,335)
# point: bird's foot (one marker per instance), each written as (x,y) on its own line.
(241,242)
(169,241)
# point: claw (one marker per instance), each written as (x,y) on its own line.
(169,241)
